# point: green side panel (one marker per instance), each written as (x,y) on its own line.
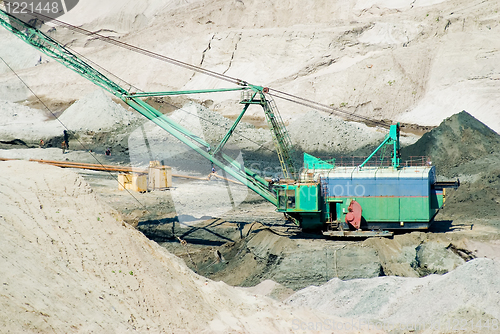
(311,162)
(436,202)
(379,208)
(308,197)
(437,199)
(393,131)
(440,201)
(391,209)
(414,209)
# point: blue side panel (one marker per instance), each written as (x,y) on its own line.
(387,187)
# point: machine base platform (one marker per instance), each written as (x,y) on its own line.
(358,234)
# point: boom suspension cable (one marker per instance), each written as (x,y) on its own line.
(274,92)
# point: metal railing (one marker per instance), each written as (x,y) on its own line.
(376,161)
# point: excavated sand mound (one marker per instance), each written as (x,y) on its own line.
(470,292)
(70,265)
(96,112)
(459,139)
(465,148)
(28,124)
(316,132)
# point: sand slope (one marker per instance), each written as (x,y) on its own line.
(69,265)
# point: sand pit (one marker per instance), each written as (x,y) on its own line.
(70,265)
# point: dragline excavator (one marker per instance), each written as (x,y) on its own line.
(360,200)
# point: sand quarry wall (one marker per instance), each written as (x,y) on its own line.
(413,61)
(69,265)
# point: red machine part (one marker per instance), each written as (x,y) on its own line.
(353,217)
